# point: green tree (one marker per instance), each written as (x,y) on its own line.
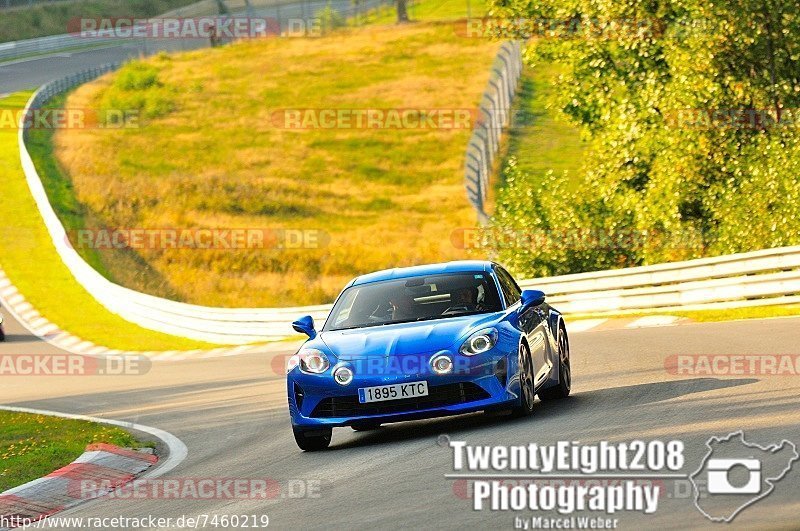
(687,107)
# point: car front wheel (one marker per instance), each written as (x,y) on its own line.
(526,385)
(312,440)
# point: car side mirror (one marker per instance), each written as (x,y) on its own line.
(305,325)
(531,298)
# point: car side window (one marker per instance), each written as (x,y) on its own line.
(517,289)
(511,291)
(347,306)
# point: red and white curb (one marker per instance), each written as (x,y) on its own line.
(101,463)
(14,302)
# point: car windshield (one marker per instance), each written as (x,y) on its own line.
(414,299)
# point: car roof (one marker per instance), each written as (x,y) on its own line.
(461,266)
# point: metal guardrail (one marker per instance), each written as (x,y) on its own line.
(276,9)
(767,277)
(494,116)
(280,12)
(55,43)
(770,276)
(59,86)
(215,325)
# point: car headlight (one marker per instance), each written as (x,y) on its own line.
(479,342)
(310,360)
(343,375)
(442,364)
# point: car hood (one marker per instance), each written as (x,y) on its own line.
(403,338)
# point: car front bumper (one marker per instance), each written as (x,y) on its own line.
(486,381)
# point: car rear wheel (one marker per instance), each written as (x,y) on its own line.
(2,334)
(312,440)
(564,386)
(526,389)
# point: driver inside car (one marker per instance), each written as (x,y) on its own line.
(469,298)
(466,296)
(402,306)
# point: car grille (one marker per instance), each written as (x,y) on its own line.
(438,396)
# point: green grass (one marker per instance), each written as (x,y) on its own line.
(59,190)
(210,155)
(130,268)
(540,139)
(732,314)
(433,10)
(54,19)
(32,264)
(704,316)
(32,446)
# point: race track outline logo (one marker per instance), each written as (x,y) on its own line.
(719,498)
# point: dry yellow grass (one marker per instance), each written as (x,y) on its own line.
(215,159)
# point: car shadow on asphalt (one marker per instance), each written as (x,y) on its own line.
(589,402)
(19,338)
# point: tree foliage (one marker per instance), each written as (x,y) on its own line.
(690,108)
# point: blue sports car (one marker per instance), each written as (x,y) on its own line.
(422,342)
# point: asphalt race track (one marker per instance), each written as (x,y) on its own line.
(31,73)
(231,413)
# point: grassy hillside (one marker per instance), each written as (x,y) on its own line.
(32,264)
(52,19)
(211,155)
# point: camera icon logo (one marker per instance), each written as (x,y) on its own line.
(735,474)
(719,481)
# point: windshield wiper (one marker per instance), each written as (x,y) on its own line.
(415,320)
(365,325)
(370,325)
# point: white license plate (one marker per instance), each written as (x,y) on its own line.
(392,392)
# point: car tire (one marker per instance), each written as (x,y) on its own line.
(365,426)
(564,386)
(526,383)
(2,334)
(307,442)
